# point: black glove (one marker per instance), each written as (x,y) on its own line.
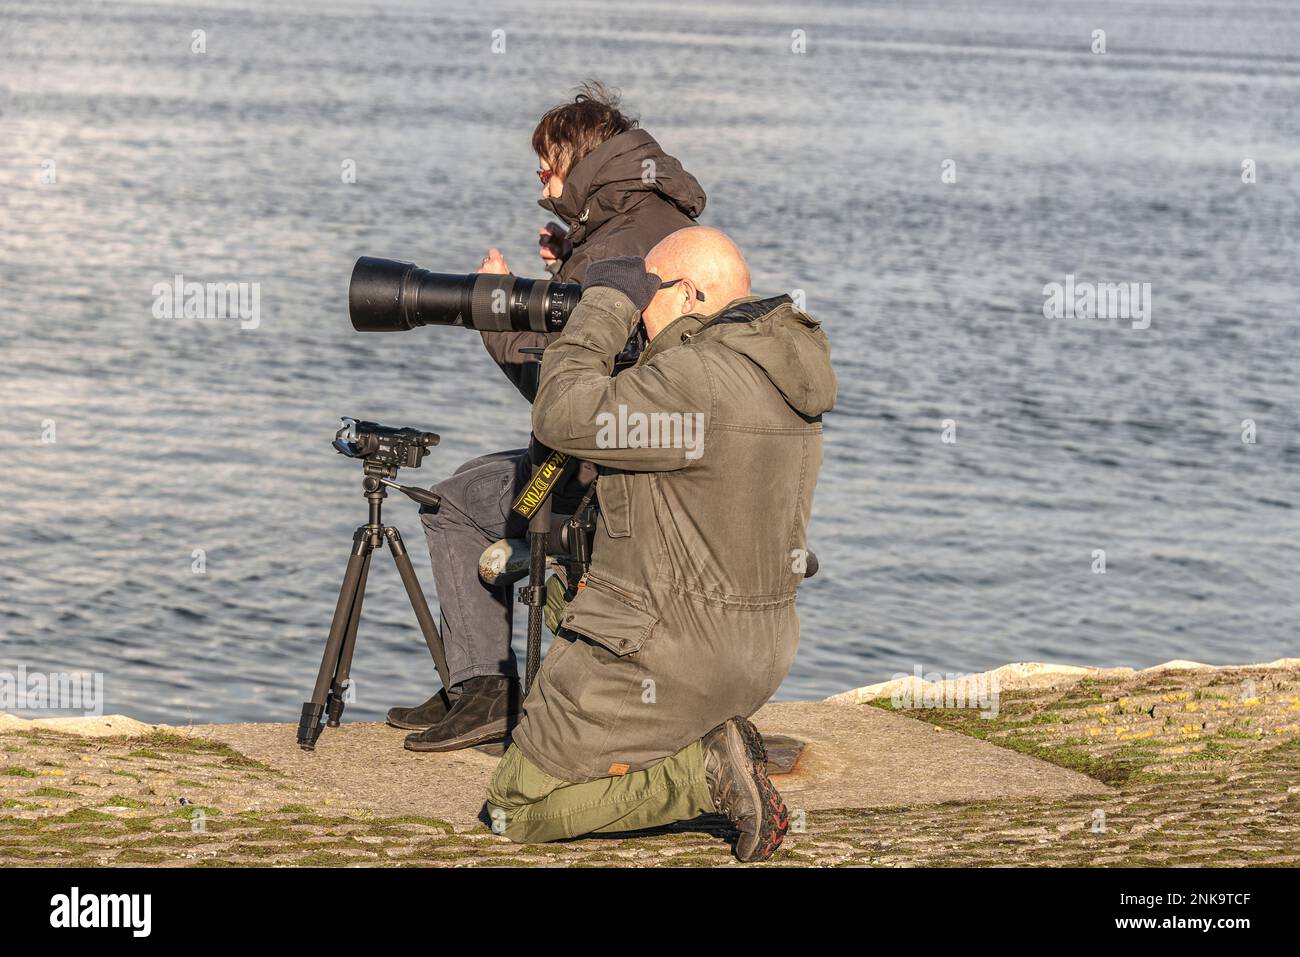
(627,274)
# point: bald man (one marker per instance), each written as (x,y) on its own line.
(708,450)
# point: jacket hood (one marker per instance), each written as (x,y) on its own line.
(608,181)
(785,342)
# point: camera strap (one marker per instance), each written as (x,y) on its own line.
(545,477)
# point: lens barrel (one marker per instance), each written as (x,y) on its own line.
(388,295)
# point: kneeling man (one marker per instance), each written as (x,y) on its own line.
(709,449)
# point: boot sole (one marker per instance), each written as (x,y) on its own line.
(489,732)
(775,816)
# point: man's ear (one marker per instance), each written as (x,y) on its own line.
(689,303)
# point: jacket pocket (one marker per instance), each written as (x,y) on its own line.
(603,613)
(614,492)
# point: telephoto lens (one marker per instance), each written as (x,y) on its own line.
(388,295)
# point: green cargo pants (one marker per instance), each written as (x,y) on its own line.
(530,806)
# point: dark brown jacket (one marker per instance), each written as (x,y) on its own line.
(687,616)
(619,200)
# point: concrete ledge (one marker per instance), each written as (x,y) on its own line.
(104,726)
(852,759)
(1178,764)
(1030,674)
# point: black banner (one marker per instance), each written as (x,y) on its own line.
(941,908)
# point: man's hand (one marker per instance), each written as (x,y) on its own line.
(628,275)
(494,263)
(554,241)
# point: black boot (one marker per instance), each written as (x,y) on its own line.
(487,710)
(735,764)
(424,715)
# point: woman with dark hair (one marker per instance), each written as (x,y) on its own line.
(616,193)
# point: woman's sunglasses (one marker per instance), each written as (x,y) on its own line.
(545,175)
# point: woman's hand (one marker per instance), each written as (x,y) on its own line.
(494,263)
(554,241)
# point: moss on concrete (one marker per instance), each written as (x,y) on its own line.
(1205,770)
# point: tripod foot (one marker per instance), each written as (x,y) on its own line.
(309,726)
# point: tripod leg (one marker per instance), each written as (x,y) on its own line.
(335,702)
(536,595)
(539,526)
(432,637)
(507,593)
(309,726)
(534,503)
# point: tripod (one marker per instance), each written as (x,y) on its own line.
(327,699)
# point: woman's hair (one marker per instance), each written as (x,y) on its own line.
(568,132)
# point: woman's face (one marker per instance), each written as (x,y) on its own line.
(554,186)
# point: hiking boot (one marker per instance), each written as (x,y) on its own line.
(735,764)
(424,715)
(487,709)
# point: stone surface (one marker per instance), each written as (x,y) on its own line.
(1023,675)
(106,725)
(1178,766)
(865,757)
(861,757)
(783,753)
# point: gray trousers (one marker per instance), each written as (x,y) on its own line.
(475,512)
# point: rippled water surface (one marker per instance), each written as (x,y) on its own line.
(1071,435)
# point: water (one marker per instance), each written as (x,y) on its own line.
(1072,435)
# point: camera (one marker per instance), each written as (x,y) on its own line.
(383,445)
(389,295)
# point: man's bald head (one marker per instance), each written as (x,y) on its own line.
(707,261)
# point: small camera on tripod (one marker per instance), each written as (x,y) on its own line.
(382,451)
(383,445)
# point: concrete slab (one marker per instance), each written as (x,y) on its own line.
(362,766)
(860,757)
(855,757)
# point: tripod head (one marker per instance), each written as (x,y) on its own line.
(383,450)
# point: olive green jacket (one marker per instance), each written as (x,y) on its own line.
(688,614)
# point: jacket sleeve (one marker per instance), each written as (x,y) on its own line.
(505,347)
(580,257)
(582,410)
(506,350)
